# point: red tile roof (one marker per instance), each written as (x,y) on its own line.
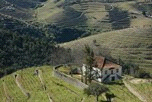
(101,62)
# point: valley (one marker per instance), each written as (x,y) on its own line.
(36,36)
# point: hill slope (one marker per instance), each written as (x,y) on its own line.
(130,44)
(77,19)
(58,90)
(89,14)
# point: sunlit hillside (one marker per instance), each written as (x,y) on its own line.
(133,44)
(91,15)
(28,87)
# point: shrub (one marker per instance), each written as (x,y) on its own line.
(142,74)
(96,90)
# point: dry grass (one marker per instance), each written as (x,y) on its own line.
(94,13)
(128,44)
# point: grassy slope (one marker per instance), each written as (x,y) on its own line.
(128,44)
(58,89)
(83,15)
(94,12)
(145,89)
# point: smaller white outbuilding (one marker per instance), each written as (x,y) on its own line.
(104,70)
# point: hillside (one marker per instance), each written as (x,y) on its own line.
(92,15)
(132,44)
(60,19)
(142,86)
(17,8)
(58,90)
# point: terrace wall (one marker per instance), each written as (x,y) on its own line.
(68,79)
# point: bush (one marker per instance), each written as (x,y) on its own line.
(75,71)
(142,74)
(42,0)
(130,68)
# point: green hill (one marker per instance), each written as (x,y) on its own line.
(15,90)
(61,19)
(89,14)
(130,44)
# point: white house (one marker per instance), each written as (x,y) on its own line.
(104,70)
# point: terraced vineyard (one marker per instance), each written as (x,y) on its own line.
(55,89)
(131,44)
(145,89)
(122,93)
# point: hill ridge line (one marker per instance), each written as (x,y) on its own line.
(120,30)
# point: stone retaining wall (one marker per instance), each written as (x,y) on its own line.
(68,79)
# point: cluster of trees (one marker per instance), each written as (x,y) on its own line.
(58,34)
(19,51)
(20,27)
(134,70)
(61,34)
(23,45)
(98,89)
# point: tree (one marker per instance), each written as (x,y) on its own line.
(96,90)
(109,96)
(130,68)
(89,60)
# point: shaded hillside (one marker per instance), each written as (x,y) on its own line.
(92,16)
(25,3)
(120,19)
(69,17)
(19,26)
(58,34)
(61,34)
(130,44)
(16,8)
(71,21)
(20,51)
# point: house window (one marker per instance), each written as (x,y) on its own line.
(117,70)
(106,72)
(111,71)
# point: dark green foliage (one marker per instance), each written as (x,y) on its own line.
(42,0)
(26,3)
(130,68)
(75,71)
(89,60)
(119,18)
(96,90)
(64,34)
(142,74)
(58,34)
(109,96)
(144,13)
(20,27)
(20,51)
(134,70)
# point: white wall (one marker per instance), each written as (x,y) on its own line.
(99,73)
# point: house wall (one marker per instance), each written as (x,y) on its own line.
(101,75)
